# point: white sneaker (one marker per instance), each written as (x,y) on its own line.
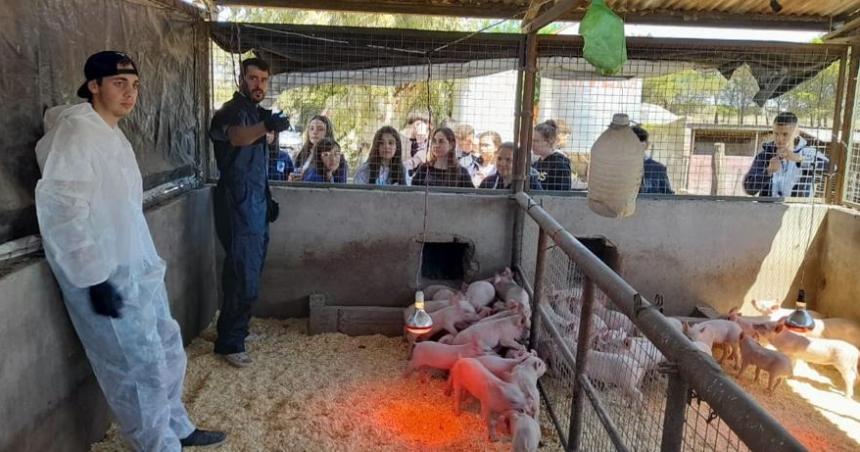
(254,337)
(241,359)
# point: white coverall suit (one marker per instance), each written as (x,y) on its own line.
(90,208)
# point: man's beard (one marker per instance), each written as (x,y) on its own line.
(250,94)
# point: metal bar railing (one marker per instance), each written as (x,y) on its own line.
(747,419)
(575,435)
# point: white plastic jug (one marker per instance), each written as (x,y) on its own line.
(615,171)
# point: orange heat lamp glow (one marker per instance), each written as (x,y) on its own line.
(419,322)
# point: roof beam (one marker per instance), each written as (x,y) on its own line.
(843,31)
(505,11)
(548,16)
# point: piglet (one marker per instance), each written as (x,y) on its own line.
(839,354)
(772,311)
(447,319)
(480,294)
(525,431)
(525,375)
(615,320)
(499,366)
(613,369)
(746,323)
(442,356)
(717,331)
(644,352)
(496,395)
(431,290)
(444,294)
(777,365)
(836,328)
(504,332)
(429,306)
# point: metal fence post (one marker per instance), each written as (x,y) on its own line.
(676,411)
(574,439)
(540,267)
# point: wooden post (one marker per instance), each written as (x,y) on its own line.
(718,164)
(842,153)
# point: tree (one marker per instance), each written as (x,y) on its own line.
(738,93)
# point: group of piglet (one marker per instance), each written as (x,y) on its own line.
(616,355)
(481,328)
(832,341)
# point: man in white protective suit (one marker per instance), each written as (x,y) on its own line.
(90,208)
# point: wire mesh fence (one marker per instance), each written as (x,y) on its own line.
(632,397)
(704,110)
(402,107)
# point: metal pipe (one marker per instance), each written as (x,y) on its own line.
(540,268)
(519,216)
(528,59)
(552,415)
(575,434)
(753,425)
(675,413)
(611,429)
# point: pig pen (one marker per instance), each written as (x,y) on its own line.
(326,392)
(690,403)
(335,392)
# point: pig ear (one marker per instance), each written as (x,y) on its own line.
(686,327)
(507,272)
(779,327)
(734,310)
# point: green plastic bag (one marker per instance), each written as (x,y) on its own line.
(603,33)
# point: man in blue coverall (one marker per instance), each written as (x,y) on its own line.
(242,203)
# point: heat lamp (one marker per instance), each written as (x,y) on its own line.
(419,322)
(800,319)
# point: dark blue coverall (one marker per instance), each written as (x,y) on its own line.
(240,208)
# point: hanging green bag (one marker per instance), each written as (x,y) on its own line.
(603,32)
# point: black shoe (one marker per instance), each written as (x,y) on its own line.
(203,438)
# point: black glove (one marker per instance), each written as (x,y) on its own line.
(276,122)
(106,300)
(273,210)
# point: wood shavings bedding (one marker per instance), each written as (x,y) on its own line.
(328,392)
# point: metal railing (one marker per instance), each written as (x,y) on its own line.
(686,403)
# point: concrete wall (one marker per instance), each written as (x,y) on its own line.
(49,400)
(362,247)
(840,261)
(694,251)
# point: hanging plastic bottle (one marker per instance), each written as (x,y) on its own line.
(615,171)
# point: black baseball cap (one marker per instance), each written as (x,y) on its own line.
(105,64)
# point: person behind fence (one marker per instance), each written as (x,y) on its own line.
(89,205)
(384,165)
(319,127)
(503,176)
(442,168)
(280,162)
(552,165)
(786,166)
(417,133)
(242,203)
(488,145)
(655,178)
(466,152)
(325,163)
